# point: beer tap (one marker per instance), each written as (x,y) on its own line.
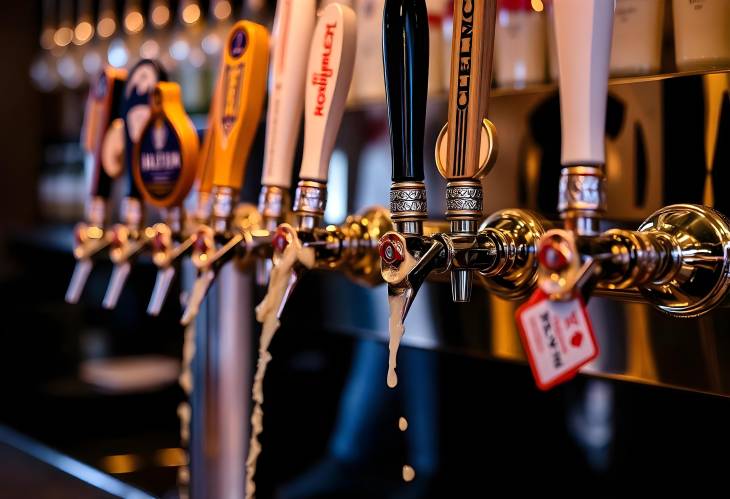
(164,165)
(678,259)
(242,84)
(308,244)
(129,237)
(102,108)
(501,251)
(167,250)
(292,36)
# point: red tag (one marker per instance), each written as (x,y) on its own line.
(557,336)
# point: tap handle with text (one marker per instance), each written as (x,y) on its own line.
(242,87)
(471,75)
(329,74)
(293,27)
(136,110)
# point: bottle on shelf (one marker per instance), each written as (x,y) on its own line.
(636,46)
(701,34)
(519,44)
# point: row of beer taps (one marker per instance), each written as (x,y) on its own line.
(678,259)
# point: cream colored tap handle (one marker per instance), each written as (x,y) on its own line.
(583,34)
(293,27)
(329,74)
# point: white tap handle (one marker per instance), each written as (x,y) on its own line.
(293,27)
(583,33)
(329,74)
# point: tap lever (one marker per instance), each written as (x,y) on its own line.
(78,280)
(290,259)
(116,284)
(563,270)
(406,262)
(159,292)
(200,289)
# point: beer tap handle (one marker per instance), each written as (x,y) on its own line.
(136,112)
(405,63)
(293,28)
(583,34)
(467,156)
(243,89)
(165,164)
(331,62)
(101,109)
(204,176)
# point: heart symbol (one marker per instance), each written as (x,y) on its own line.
(576,339)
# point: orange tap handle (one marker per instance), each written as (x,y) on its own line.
(237,112)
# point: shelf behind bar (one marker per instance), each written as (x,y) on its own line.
(540,88)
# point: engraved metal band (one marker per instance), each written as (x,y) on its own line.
(464,200)
(273,202)
(96,211)
(582,189)
(310,198)
(222,208)
(132,212)
(408,201)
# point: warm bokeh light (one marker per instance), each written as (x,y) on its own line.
(537,5)
(191,13)
(171,457)
(150,49)
(63,36)
(106,27)
(47,38)
(83,32)
(122,463)
(222,10)
(134,22)
(160,15)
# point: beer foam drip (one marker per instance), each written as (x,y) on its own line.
(408,473)
(402,424)
(184,410)
(396,329)
(266,313)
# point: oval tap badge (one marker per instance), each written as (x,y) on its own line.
(165,158)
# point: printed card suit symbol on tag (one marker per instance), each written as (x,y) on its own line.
(576,339)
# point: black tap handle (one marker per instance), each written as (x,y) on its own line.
(405,61)
(140,83)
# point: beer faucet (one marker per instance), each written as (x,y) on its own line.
(102,108)
(293,28)
(501,251)
(170,244)
(331,63)
(678,257)
(242,84)
(129,237)
(164,165)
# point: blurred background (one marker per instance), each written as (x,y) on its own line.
(102,386)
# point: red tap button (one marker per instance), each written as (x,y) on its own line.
(158,242)
(201,246)
(391,249)
(116,241)
(280,240)
(554,255)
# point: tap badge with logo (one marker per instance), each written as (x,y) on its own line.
(166,155)
(233,79)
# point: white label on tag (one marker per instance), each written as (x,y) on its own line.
(558,338)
